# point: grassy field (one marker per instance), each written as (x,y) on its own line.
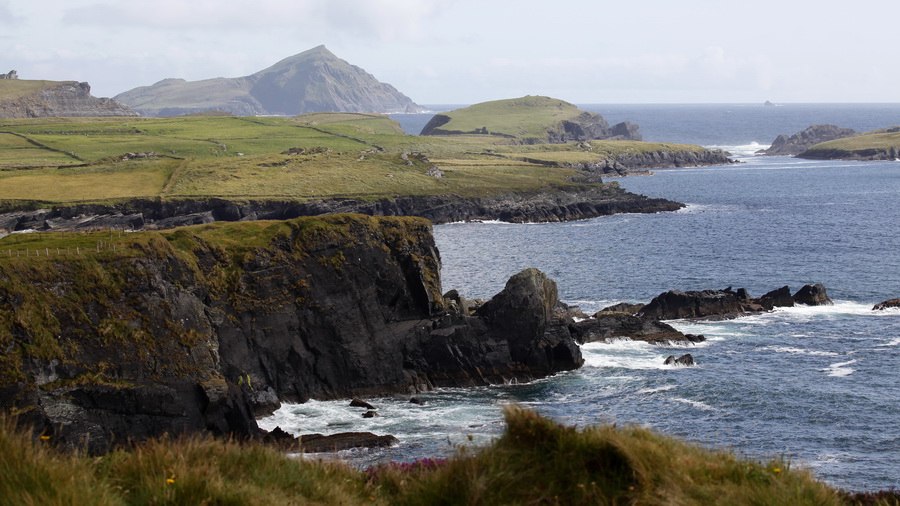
(536,461)
(67,160)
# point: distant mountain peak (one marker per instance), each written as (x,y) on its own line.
(312,81)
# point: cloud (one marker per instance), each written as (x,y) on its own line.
(6,14)
(384,20)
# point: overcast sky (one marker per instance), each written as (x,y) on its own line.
(467,51)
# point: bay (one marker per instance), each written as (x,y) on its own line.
(817,385)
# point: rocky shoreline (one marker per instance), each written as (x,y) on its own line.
(549,205)
(184,334)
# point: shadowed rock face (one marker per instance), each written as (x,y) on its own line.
(186,334)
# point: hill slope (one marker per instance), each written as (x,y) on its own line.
(876,145)
(312,81)
(26,98)
(529,120)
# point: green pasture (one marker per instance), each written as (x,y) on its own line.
(69,160)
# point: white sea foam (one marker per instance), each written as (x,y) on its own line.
(893,342)
(657,390)
(696,404)
(799,351)
(623,354)
(840,369)
(742,149)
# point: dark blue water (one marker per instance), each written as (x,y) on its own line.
(816,385)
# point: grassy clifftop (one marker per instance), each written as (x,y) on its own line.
(877,145)
(535,462)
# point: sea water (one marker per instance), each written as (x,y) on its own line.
(817,385)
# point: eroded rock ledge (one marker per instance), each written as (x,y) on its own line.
(202,329)
(544,206)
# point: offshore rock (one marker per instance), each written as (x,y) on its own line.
(318,443)
(728,303)
(813,295)
(183,332)
(686,360)
(607,326)
(888,304)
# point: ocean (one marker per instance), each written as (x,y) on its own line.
(817,385)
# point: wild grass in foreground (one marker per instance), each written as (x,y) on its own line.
(536,461)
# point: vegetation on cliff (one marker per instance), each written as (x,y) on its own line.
(536,461)
(876,145)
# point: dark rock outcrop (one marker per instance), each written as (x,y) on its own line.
(728,303)
(65,99)
(542,206)
(318,443)
(182,333)
(686,360)
(606,326)
(800,141)
(813,295)
(888,304)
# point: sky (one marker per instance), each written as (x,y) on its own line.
(469,51)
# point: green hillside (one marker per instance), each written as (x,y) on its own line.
(518,117)
(876,145)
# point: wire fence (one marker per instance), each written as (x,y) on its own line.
(67,251)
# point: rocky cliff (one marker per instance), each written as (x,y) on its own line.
(621,165)
(58,99)
(545,206)
(201,328)
(800,141)
(312,81)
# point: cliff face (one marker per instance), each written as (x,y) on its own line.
(64,99)
(622,164)
(201,328)
(546,206)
